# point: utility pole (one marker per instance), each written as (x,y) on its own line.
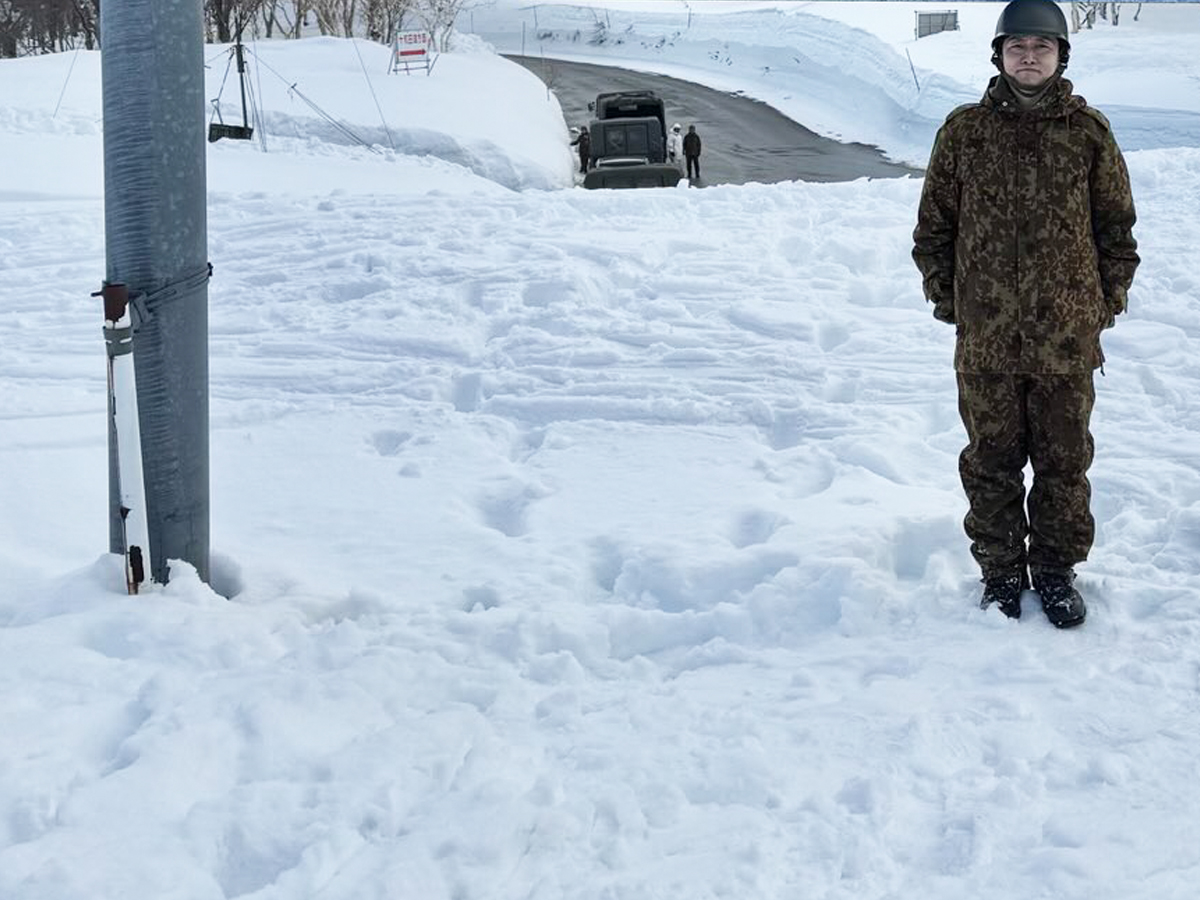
(156,233)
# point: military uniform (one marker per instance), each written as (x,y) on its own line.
(691,151)
(584,142)
(1024,241)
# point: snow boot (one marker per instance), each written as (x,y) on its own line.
(1004,589)
(1063,604)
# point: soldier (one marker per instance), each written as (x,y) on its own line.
(691,151)
(1024,241)
(584,142)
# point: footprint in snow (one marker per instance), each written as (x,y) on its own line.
(388,442)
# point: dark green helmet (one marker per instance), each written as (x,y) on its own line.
(1040,17)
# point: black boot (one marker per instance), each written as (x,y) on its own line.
(1004,589)
(1063,605)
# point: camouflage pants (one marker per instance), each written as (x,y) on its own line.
(1042,420)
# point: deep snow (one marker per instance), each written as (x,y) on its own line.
(587,544)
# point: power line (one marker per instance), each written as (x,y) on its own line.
(386,130)
(337,124)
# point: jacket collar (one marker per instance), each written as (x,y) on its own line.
(1057,101)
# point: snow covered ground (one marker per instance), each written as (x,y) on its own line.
(576,544)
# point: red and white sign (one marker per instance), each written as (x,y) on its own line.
(411,48)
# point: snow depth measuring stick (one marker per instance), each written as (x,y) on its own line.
(122,407)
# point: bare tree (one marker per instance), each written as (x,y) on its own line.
(218,19)
(1085,12)
(226,18)
(47,26)
(302,10)
(439,16)
(386,17)
(349,13)
(11,29)
(270,13)
(330,14)
(1080,15)
(87,12)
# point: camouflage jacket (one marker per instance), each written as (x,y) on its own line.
(1024,234)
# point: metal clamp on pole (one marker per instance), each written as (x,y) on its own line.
(142,305)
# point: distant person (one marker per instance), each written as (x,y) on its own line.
(1025,242)
(675,144)
(691,151)
(584,142)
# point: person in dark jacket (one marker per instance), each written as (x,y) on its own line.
(691,151)
(1025,243)
(584,142)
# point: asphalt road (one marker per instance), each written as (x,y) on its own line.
(744,140)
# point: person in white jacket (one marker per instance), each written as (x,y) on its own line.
(675,144)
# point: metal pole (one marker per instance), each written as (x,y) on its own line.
(157,245)
(241,66)
(913,69)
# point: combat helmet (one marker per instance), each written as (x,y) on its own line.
(1040,17)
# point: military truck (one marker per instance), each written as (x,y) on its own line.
(629,142)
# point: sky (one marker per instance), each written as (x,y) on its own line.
(586,544)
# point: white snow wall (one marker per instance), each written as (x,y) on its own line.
(152,58)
